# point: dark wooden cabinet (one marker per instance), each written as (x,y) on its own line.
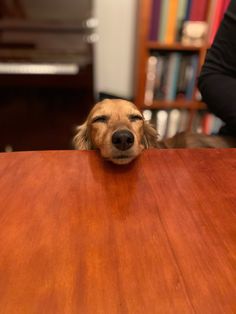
(46,72)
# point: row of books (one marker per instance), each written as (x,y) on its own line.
(171,76)
(168,16)
(170,122)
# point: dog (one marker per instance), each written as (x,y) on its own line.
(198,140)
(118,130)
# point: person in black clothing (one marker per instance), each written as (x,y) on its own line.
(217,80)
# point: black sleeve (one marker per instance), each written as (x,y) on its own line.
(217,81)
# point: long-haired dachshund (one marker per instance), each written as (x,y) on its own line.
(117,129)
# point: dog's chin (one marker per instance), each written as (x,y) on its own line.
(121,157)
(122,160)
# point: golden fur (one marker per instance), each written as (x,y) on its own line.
(108,117)
(112,116)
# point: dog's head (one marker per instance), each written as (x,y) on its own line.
(117,129)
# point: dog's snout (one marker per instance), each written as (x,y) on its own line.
(122,139)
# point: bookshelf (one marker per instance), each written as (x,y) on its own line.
(147,47)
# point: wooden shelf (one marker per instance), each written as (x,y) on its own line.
(144,50)
(172,47)
(176,104)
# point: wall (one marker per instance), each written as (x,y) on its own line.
(114,52)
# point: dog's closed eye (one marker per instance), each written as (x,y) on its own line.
(100,119)
(135,117)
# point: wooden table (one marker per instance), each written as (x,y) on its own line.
(80,235)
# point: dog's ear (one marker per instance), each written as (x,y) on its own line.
(150,136)
(82,140)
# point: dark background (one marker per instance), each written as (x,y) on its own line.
(40,112)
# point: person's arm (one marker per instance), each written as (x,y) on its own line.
(217,81)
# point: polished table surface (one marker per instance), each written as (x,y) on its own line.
(80,235)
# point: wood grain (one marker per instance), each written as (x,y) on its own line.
(80,235)
(143,25)
(186,104)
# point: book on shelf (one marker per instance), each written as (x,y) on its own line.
(225,5)
(181,16)
(216,125)
(171,23)
(150,80)
(211,124)
(207,123)
(161,78)
(155,18)
(170,77)
(182,79)
(161,123)
(172,121)
(168,17)
(161,35)
(188,9)
(192,75)
(198,10)
(155,80)
(215,18)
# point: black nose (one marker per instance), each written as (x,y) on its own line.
(122,139)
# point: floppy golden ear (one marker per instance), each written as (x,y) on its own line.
(81,140)
(150,136)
